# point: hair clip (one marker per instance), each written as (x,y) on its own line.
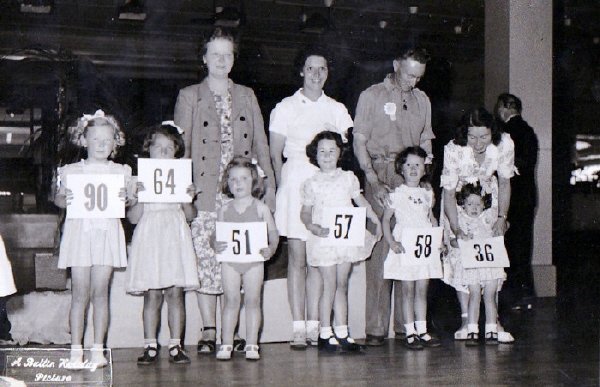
(88,117)
(172,123)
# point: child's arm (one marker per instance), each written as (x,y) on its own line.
(396,246)
(265,213)
(306,217)
(362,202)
(218,246)
(189,209)
(63,197)
(135,212)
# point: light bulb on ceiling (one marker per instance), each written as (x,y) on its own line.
(413,9)
(383,24)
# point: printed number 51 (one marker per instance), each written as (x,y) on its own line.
(339,226)
(237,246)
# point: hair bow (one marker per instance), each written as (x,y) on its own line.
(172,123)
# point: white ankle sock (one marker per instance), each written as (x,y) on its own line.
(491,328)
(174,343)
(473,328)
(421,327)
(410,329)
(325,332)
(299,325)
(151,343)
(341,331)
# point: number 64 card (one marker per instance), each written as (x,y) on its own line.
(165,180)
(244,241)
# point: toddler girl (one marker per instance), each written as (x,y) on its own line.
(92,247)
(332,187)
(241,181)
(411,205)
(162,259)
(475,222)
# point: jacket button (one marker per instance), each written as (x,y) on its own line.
(242,118)
(245,135)
(203,158)
(246,152)
(204,141)
(205,123)
(202,174)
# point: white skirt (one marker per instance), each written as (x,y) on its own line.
(7,283)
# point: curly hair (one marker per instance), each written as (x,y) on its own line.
(314,50)
(219,33)
(311,149)
(473,189)
(415,151)
(79,131)
(258,186)
(168,131)
(415,53)
(477,117)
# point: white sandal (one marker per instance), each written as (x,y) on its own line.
(252,352)
(505,337)
(224,352)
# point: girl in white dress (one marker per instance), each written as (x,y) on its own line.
(411,205)
(332,187)
(92,247)
(162,259)
(475,222)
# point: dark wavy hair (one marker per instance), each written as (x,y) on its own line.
(219,33)
(510,101)
(477,117)
(168,131)
(258,186)
(415,151)
(314,50)
(311,149)
(473,189)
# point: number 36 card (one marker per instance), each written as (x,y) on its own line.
(165,180)
(480,253)
(96,196)
(244,241)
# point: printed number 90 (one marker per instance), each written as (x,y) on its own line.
(97,197)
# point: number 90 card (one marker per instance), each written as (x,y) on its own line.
(165,180)
(96,196)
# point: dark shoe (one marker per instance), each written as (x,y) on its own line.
(178,356)
(150,356)
(374,341)
(412,342)
(472,339)
(207,347)
(328,345)
(347,344)
(432,342)
(239,345)
(491,338)
(400,336)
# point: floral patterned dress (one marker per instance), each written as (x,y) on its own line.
(460,167)
(203,226)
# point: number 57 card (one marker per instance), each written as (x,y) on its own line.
(96,196)
(346,226)
(165,180)
(244,241)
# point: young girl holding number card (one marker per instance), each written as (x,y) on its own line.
(332,187)
(241,181)
(92,247)
(162,259)
(475,222)
(411,205)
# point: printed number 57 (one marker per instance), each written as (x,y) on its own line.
(340,227)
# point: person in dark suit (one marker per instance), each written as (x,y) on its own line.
(519,290)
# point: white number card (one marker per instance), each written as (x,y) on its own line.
(346,226)
(165,180)
(244,241)
(422,248)
(481,253)
(96,196)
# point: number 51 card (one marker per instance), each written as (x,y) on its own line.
(244,241)
(165,180)
(96,196)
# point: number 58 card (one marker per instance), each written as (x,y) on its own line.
(165,180)
(96,196)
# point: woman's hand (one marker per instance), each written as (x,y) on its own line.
(267,252)
(397,247)
(381,193)
(317,230)
(64,199)
(219,246)
(500,227)
(269,199)
(191,190)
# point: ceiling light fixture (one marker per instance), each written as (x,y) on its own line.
(413,9)
(132,10)
(36,6)
(383,24)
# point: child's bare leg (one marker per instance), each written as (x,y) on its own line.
(152,304)
(253,281)
(80,298)
(176,311)
(474,302)
(231,302)
(100,279)
(408,306)
(340,307)
(329,275)
(207,304)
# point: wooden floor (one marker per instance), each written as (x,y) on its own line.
(546,353)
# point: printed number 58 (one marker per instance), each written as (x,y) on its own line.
(423,246)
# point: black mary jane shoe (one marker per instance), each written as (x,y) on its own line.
(472,339)
(328,345)
(207,347)
(150,356)
(239,345)
(431,343)
(347,344)
(374,341)
(178,356)
(491,338)
(412,342)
